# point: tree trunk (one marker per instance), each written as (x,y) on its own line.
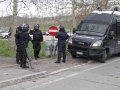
(14,24)
(106,4)
(73,14)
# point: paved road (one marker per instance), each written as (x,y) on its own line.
(88,76)
(11,73)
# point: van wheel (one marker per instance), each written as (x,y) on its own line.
(74,56)
(104,57)
(118,54)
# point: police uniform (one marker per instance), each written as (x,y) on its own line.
(18,30)
(23,38)
(37,39)
(62,36)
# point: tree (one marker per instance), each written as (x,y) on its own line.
(73,13)
(14,24)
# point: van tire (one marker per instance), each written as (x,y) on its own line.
(104,57)
(118,54)
(74,56)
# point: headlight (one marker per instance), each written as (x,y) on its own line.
(97,43)
(70,40)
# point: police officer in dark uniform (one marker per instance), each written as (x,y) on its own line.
(17,41)
(62,36)
(37,39)
(23,38)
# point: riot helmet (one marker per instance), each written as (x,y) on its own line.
(25,27)
(19,28)
(61,28)
(36,26)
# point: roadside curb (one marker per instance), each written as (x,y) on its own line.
(21,79)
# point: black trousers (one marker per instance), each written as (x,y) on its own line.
(62,50)
(18,54)
(23,56)
(36,52)
(36,47)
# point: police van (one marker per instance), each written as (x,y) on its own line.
(97,36)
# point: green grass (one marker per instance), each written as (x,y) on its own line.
(5,51)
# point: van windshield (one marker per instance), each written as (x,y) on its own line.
(90,28)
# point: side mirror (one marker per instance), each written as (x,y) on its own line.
(74,29)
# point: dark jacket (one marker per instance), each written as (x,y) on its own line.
(23,38)
(37,35)
(62,36)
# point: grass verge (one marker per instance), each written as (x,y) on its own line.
(5,51)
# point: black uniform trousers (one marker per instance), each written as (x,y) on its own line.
(36,47)
(36,52)
(18,54)
(61,50)
(23,56)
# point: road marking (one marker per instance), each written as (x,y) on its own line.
(118,72)
(64,69)
(47,83)
(53,81)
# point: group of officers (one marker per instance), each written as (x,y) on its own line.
(22,38)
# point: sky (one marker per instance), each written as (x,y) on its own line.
(7,8)
(30,9)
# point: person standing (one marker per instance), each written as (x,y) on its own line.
(10,32)
(23,38)
(62,36)
(37,39)
(17,41)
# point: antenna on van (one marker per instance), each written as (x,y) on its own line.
(100,10)
(116,8)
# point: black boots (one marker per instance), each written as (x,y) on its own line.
(57,62)
(18,62)
(37,57)
(64,61)
(24,66)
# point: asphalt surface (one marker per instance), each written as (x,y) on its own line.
(87,76)
(11,73)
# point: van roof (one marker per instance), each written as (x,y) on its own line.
(102,16)
(107,12)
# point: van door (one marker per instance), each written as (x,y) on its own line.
(118,37)
(112,38)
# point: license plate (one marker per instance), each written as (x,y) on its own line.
(79,53)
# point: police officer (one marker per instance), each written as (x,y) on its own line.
(62,36)
(23,38)
(37,39)
(17,41)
